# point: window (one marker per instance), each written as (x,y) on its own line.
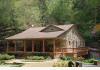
(51,28)
(73,44)
(76,44)
(69,42)
(73,31)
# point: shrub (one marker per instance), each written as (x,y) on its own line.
(48,58)
(67,58)
(35,57)
(70,64)
(6,57)
(2,62)
(61,64)
(89,61)
(79,59)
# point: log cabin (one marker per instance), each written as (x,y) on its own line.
(56,40)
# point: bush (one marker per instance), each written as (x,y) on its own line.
(79,59)
(61,64)
(48,58)
(70,64)
(2,62)
(67,58)
(35,57)
(6,57)
(89,61)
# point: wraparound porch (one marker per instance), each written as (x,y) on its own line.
(44,46)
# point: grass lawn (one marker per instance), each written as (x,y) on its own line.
(33,60)
(11,65)
(87,63)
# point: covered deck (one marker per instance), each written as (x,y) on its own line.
(52,47)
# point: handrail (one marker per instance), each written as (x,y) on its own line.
(71,49)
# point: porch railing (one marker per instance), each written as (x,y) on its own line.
(71,50)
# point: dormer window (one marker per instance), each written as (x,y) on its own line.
(51,28)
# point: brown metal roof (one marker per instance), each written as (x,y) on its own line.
(35,32)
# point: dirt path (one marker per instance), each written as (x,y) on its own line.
(40,64)
(46,63)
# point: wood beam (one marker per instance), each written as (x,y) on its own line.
(7,46)
(32,45)
(43,45)
(62,51)
(15,46)
(75,55)
(73,50)
(76,44)
(24,45)
(54,46)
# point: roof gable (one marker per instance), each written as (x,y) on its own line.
(51,28)
(35,32)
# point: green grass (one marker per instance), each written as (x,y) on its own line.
(11,65)
(35,58)
(26,60)
(87,63)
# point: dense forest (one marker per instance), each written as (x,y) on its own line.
(18,15)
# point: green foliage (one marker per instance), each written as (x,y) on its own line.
(2,62)
(17,15)
(8,24)
(89,60)
(6,57)
(79,59)
(35,58)
(48,58)
(67,58)
(60,64)
(11,64)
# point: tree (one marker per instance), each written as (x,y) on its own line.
(16,15)
(8,25)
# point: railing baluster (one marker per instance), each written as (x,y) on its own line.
(70,50)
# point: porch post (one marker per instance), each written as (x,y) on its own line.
(24,46)
(75,55)
(32,45)
(73,49)
(7,46)
(54,47)
(15,46)
(43,46)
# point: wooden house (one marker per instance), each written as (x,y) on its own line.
(56,40)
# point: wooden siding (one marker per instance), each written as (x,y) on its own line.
(72,39)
